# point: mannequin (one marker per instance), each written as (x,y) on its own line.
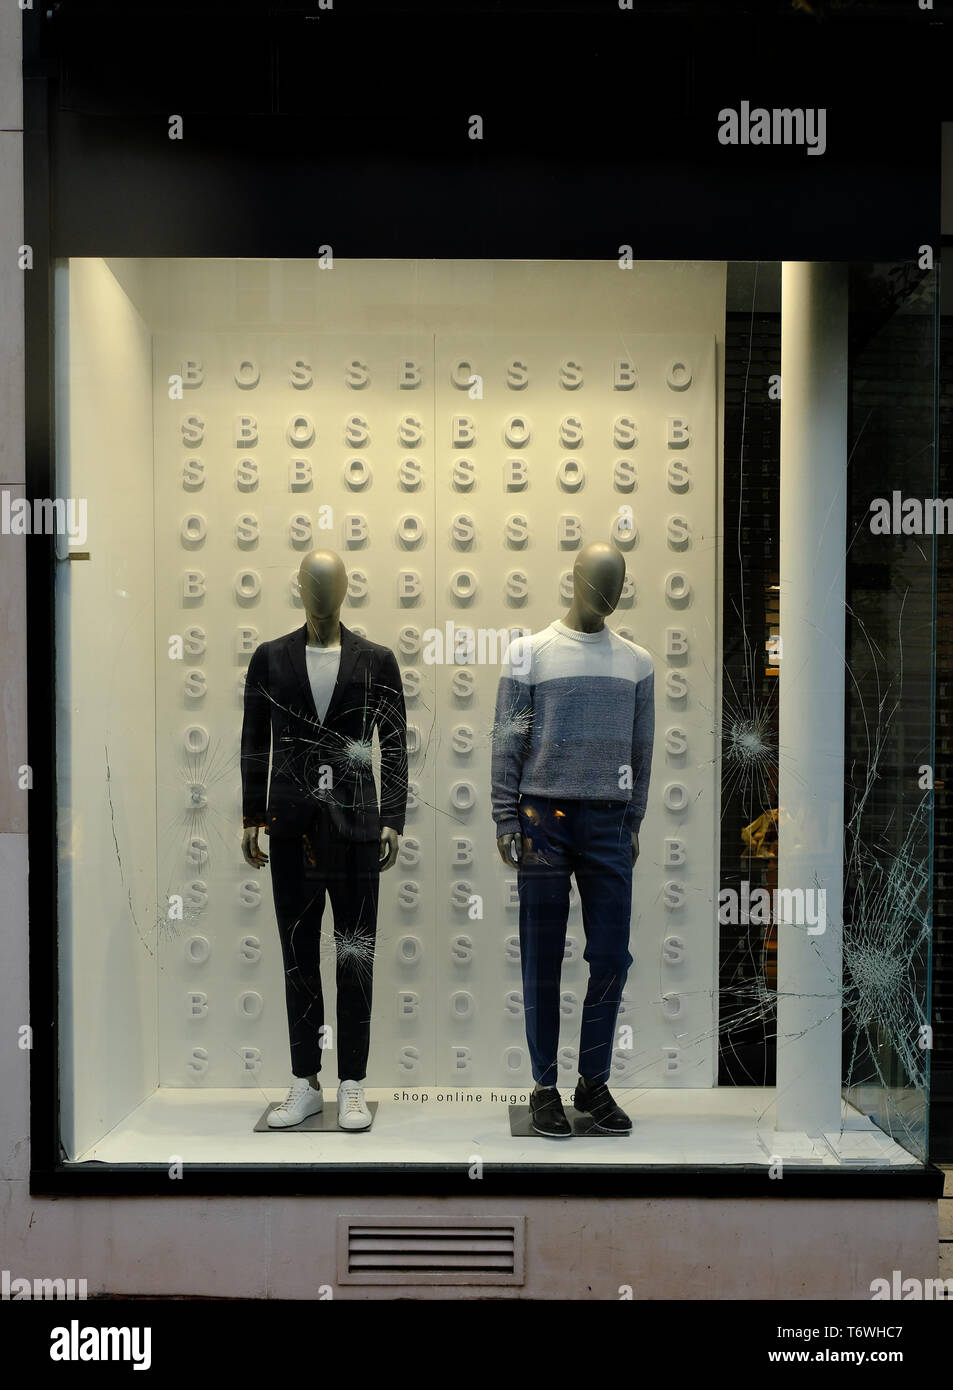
(572,756)
(312,701)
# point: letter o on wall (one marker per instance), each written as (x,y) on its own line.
(461,1005)
(250,1003)
(463,796)
(197,949)
(409,950)
(195,739)
(248,374)
(300,432)
(675,796)
(671,1005)
(463,584)
(356,474)
(571,474)
(516,431)
(247,584)
(677,587)
(194,528)
(679,375)
(410,529)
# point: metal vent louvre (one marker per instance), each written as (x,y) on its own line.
(430,1250)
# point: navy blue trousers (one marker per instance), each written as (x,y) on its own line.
(593,840)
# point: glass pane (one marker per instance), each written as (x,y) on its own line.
(459,435)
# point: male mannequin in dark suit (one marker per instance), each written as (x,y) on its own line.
(312,701)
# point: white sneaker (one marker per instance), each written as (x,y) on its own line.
(300,1102)
(352,1112)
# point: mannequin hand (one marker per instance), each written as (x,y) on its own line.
(509,845)
(253,855)
(635,847)
(389,843)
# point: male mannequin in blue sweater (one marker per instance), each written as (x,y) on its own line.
(572,756)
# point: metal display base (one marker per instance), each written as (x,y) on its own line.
(582,1125)
(324,1122)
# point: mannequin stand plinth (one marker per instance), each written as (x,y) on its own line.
(324,1122)
(583,1126)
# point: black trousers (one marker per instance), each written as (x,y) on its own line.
(305,871)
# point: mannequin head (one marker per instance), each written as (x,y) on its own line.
(322,579)
(597,579)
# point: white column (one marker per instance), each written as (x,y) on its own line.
(813,519)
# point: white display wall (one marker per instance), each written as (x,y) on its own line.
(457,475)
(105,706)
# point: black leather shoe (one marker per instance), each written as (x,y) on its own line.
(595,1100)
(546,1113)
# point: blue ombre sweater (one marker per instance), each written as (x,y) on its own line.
(574,711)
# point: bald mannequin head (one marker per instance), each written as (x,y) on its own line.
(322,579)
(597,578)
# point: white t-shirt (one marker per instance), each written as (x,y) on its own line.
(323,666)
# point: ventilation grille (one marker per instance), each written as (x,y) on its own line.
(430,1250)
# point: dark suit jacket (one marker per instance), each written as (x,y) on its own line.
(306,754)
